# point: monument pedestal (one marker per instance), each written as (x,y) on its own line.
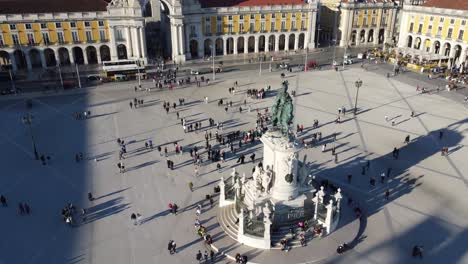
(280,155)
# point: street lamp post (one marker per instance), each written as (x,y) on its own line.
(60,74)
(358,84)
(213,59)
(27,120)
(305,59)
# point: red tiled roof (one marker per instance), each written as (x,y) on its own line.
(366,1)
(227,3)
(448,4)
(50,6)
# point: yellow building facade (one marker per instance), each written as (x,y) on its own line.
(254,27)
(434,33)
(367,23)
(35,40)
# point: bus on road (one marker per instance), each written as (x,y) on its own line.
(128,68)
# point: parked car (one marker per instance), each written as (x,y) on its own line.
(93,78)
(312,64)
(194,72)
(283,66)
(348,61)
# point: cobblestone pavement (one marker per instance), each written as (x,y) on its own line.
(427,204)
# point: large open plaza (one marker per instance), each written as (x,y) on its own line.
(422,202)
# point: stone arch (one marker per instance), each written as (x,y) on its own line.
(251,44)
(417,43)
(409,42)
(35,57)
(219,46)
(49,55)
(282,42)
(193,48)
(447,48)
(301,40)
(381,36)
(353,37)
(78,56)
(427,45)
(271,42)
(362,36)
(20,58)
(5,58)
(91,55)
(105,53)
(240,45)
(370,36)
(122,52)
(261,43)
(64,56)
(208,44)
(230,45)
(457,52)
(292,39)
(436,47)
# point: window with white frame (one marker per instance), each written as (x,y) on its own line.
(230,28)
(72,24)
(272,26)
(364,22)
(87,24)
(60,37)
(431,19)
(102,34)
(207,25)
(75,36)
(252,27)
(120,34)
(12,26)
(1,40)
(460,34)
(449,33)
(59,25)
(241,27)
(262,26)
(43,25)
(45,38)
(293,25)
(303,25)
(373,21)
(411,27)
(28,26)
(283,25)
(89,36)
(252,16)
(452,21)
(101,23)
(193,31)
(219,27)
(420,28)
(15,39)
(30,38)
(441,19)
(429,29)
(439,31)
(463,23)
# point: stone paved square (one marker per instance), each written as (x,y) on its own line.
(427,203)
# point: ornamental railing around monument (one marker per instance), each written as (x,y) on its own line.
(321,212)
(240,203)
(254,227)
(230,192)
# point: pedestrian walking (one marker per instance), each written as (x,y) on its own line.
(212,256)
(131,105)
(199,257)
(387,194)
(27,209)
(389,170)
(3,201)
(20,209)
(350,176)
(382,177)
(441,134)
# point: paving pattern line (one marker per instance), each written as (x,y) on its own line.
(447,157)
